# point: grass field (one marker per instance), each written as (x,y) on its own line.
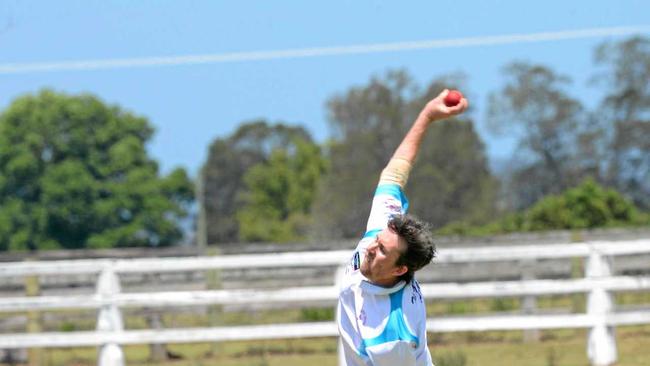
(556,348)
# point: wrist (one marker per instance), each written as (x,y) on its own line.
(428,116)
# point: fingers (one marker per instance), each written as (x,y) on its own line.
(461,106)
(436,108)
(458,108)
(443,94)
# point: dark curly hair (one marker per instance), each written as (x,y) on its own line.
(420,248)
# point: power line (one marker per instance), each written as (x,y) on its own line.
(17,68)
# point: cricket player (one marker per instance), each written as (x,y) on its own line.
(381,313)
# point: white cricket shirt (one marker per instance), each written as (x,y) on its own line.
(379,325)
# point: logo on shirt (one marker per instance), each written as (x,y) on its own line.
(417,295)
(355,261)
(393,206)
(362,317)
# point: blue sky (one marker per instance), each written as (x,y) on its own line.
(192,104)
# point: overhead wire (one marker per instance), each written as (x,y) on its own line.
(118,63)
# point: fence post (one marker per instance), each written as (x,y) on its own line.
(529,302)
(601,344)
(215,312)
(33,288)
(157,351)
(109,318)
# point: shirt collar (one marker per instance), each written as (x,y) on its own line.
(379,290)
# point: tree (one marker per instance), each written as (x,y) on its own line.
(624,116)
(534,106)
(229,161)
(451,179)
(279,194)
(74,173)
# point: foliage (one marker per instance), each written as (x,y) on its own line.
(501,304)
(67,327)
(317,314)
(259,183)
(560,143)
(451,180)
(624,116)
(279,194)
(460,307)
(74,173)
(586,206)
(534,106)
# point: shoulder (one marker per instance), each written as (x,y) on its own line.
(413,302)
(350,276)
(414,307)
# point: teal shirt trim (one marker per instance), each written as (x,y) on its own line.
(395,191)
(396,329)
(372,233)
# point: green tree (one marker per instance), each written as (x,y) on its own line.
(450,180)
(74,173)
(279,194)
(229,160)
(624,116)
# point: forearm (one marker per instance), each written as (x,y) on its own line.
(410,145)
(398,168)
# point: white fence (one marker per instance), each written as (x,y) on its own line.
(599,282)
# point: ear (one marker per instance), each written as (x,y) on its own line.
(400,270)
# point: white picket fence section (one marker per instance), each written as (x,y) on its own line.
(599,283)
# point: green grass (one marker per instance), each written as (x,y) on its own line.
(575,303)
(556,348)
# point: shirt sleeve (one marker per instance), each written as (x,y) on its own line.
(389,200)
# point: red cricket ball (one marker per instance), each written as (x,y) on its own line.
(453,98)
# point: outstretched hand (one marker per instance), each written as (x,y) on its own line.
(437,110)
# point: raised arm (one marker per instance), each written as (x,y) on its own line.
(389,198)
(398,168)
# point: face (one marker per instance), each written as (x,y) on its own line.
(379,263)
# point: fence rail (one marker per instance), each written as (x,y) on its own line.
(311,259)
(320,293)
(598,284)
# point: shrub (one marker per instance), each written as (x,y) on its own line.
(317,314)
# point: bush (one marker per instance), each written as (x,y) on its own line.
(503,304)
(316,314)
(67,327)
(586,206)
